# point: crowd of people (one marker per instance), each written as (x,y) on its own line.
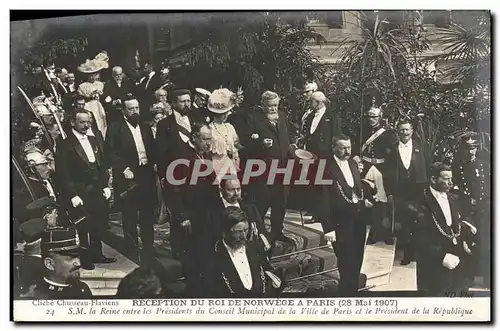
(93,142)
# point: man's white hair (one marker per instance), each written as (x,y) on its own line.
(268,96)
(117,68)
(319,96)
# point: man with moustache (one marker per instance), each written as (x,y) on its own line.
(236,267)
(343,223)
(269,141)
(443,239)
(70,82)
(190,194)
(129,148)
(60,250)
(115,93)
(377,141)
(231,195)
(404,179)
(83,175)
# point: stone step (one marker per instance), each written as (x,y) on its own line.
(104,279)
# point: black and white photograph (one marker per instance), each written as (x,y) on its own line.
(331,163)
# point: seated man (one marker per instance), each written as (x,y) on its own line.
(236,267)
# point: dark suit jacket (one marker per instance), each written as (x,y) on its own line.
(112,90)
(393,163)
(431,246)
(74,172)
(122,153)
(320,142)
(254,148)
(336,212)
(216,228)
(169,145)
(221,278)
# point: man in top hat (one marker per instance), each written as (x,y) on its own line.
(83,175)
(130,150)
(404,179)
(444,250)
(472,178)
(377,140)
(60,254)
(28,264)
(236,267)
(115,92)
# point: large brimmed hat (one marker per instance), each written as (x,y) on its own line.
(221,101)
(98,63)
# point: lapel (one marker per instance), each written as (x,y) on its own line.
(227,267)
(435,209)
(78,148)
(339,176)
(95,148)
(273,128)
(128,138)
(355,175)
(414,147)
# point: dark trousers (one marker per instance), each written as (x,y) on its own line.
(349,249)
(138,208)
(275,197)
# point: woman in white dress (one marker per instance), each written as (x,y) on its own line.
(225,142)
(92,89)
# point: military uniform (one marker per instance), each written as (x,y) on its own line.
(472,179)
(61,241)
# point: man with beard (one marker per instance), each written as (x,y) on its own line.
(444,251)
(83,176)
(269,141)
(173,132)
(405,178)
(230,195)
(190,191)
(377,140)
(129,148)
(115,93)
(344,224)
(60,254)
(236,267)
(472,178)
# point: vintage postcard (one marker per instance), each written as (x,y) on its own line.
(251,166)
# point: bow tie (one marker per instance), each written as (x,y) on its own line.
(84,137)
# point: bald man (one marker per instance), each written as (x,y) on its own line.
(129,147)
(318,129)
(115,91)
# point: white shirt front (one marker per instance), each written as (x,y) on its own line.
(240,262)
(184,122)
(317,117)
(227,204)
(139,143)
(87,147)
(71,87)
(442,199)
(49,188)
(346,170)
(405,151)
(151,74)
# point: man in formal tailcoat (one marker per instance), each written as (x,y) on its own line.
(130,151)
(343,222)
(405,178)
(444,241)
(83,176)
(115,93)
(269,141)
(235,267)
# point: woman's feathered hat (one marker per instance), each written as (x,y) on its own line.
(96,64)
(223,100)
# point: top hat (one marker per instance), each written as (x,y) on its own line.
(61,240)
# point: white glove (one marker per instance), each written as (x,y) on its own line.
(107,192)
(76,201)
(331,237)
(450,261)
(254,136)
(275,279)
(267,245)
(368,204)
(128,174)
(108,99)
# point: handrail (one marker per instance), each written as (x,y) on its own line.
(301,251)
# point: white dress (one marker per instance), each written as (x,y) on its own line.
(90,91)
(224,148)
